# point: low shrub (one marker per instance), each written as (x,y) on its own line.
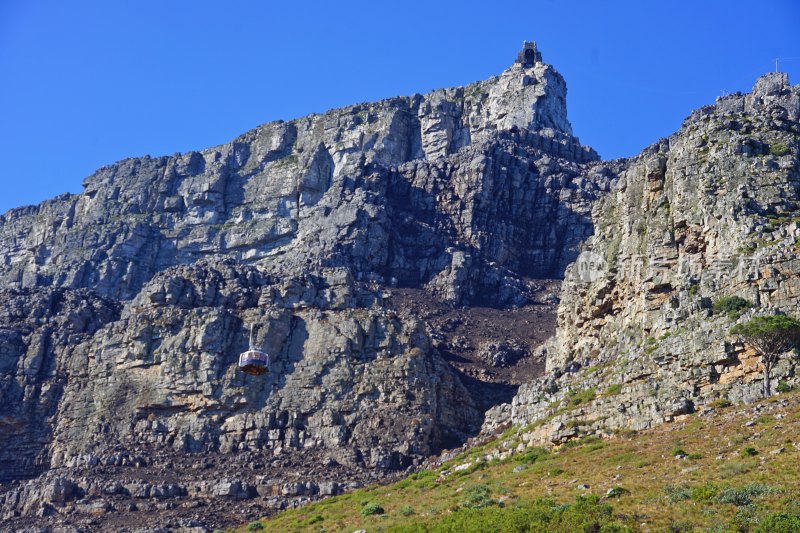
(650,345)
(577,443)
(371,508)
(532,455)
(255,526)
(733,306)
(677,451)
(585,514)
(406,510)
(583,396)
(423,474)
(778,149)
(704,493)
(681,526)
(403,483)
(733,469)
(424,479)
(616,492)
(783,387)
(477,497)
(749,452)
(744,495)
(677,493)
(781,522)
(720,403)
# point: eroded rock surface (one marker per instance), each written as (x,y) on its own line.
(402,261)
(434,188)
(711,212)
(128,304)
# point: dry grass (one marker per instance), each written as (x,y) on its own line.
(661,493)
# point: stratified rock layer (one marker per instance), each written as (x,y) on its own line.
(128,304)
(711,212)
(413,188)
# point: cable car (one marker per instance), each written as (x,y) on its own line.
(253,361)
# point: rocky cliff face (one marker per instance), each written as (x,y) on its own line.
(711,212)
(128,304)
(402,261)
(315,190)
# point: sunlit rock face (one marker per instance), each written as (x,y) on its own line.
(486,166)
(126,306)
(713,211)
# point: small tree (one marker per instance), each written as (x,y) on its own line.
(771,336)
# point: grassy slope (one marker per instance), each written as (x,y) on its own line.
(661,493)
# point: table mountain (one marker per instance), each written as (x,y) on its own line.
(376,248)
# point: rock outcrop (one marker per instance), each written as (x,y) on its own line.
(353,387)
(711,212)
(128,304)
(422,188)
(402,262)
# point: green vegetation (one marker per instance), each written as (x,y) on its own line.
(720,403)
(677,451)
(782,219)
(749,452)
(650,345)
(783,387)
(734,469)
(478,497)
(678,493)
(778,149)
(371,508)
(290,159)
(771,336)
(732,306)
(616,492)
(578,398)
(406,510)
(614,389)
(703,493)
(780,523)
(745,495)
(694,289)
(585,514)
(748,248)
(533,455)
(711,493)
(723,491)
(255,526)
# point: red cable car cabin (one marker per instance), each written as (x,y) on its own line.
(253,361)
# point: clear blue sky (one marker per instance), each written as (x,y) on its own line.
(85,83)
